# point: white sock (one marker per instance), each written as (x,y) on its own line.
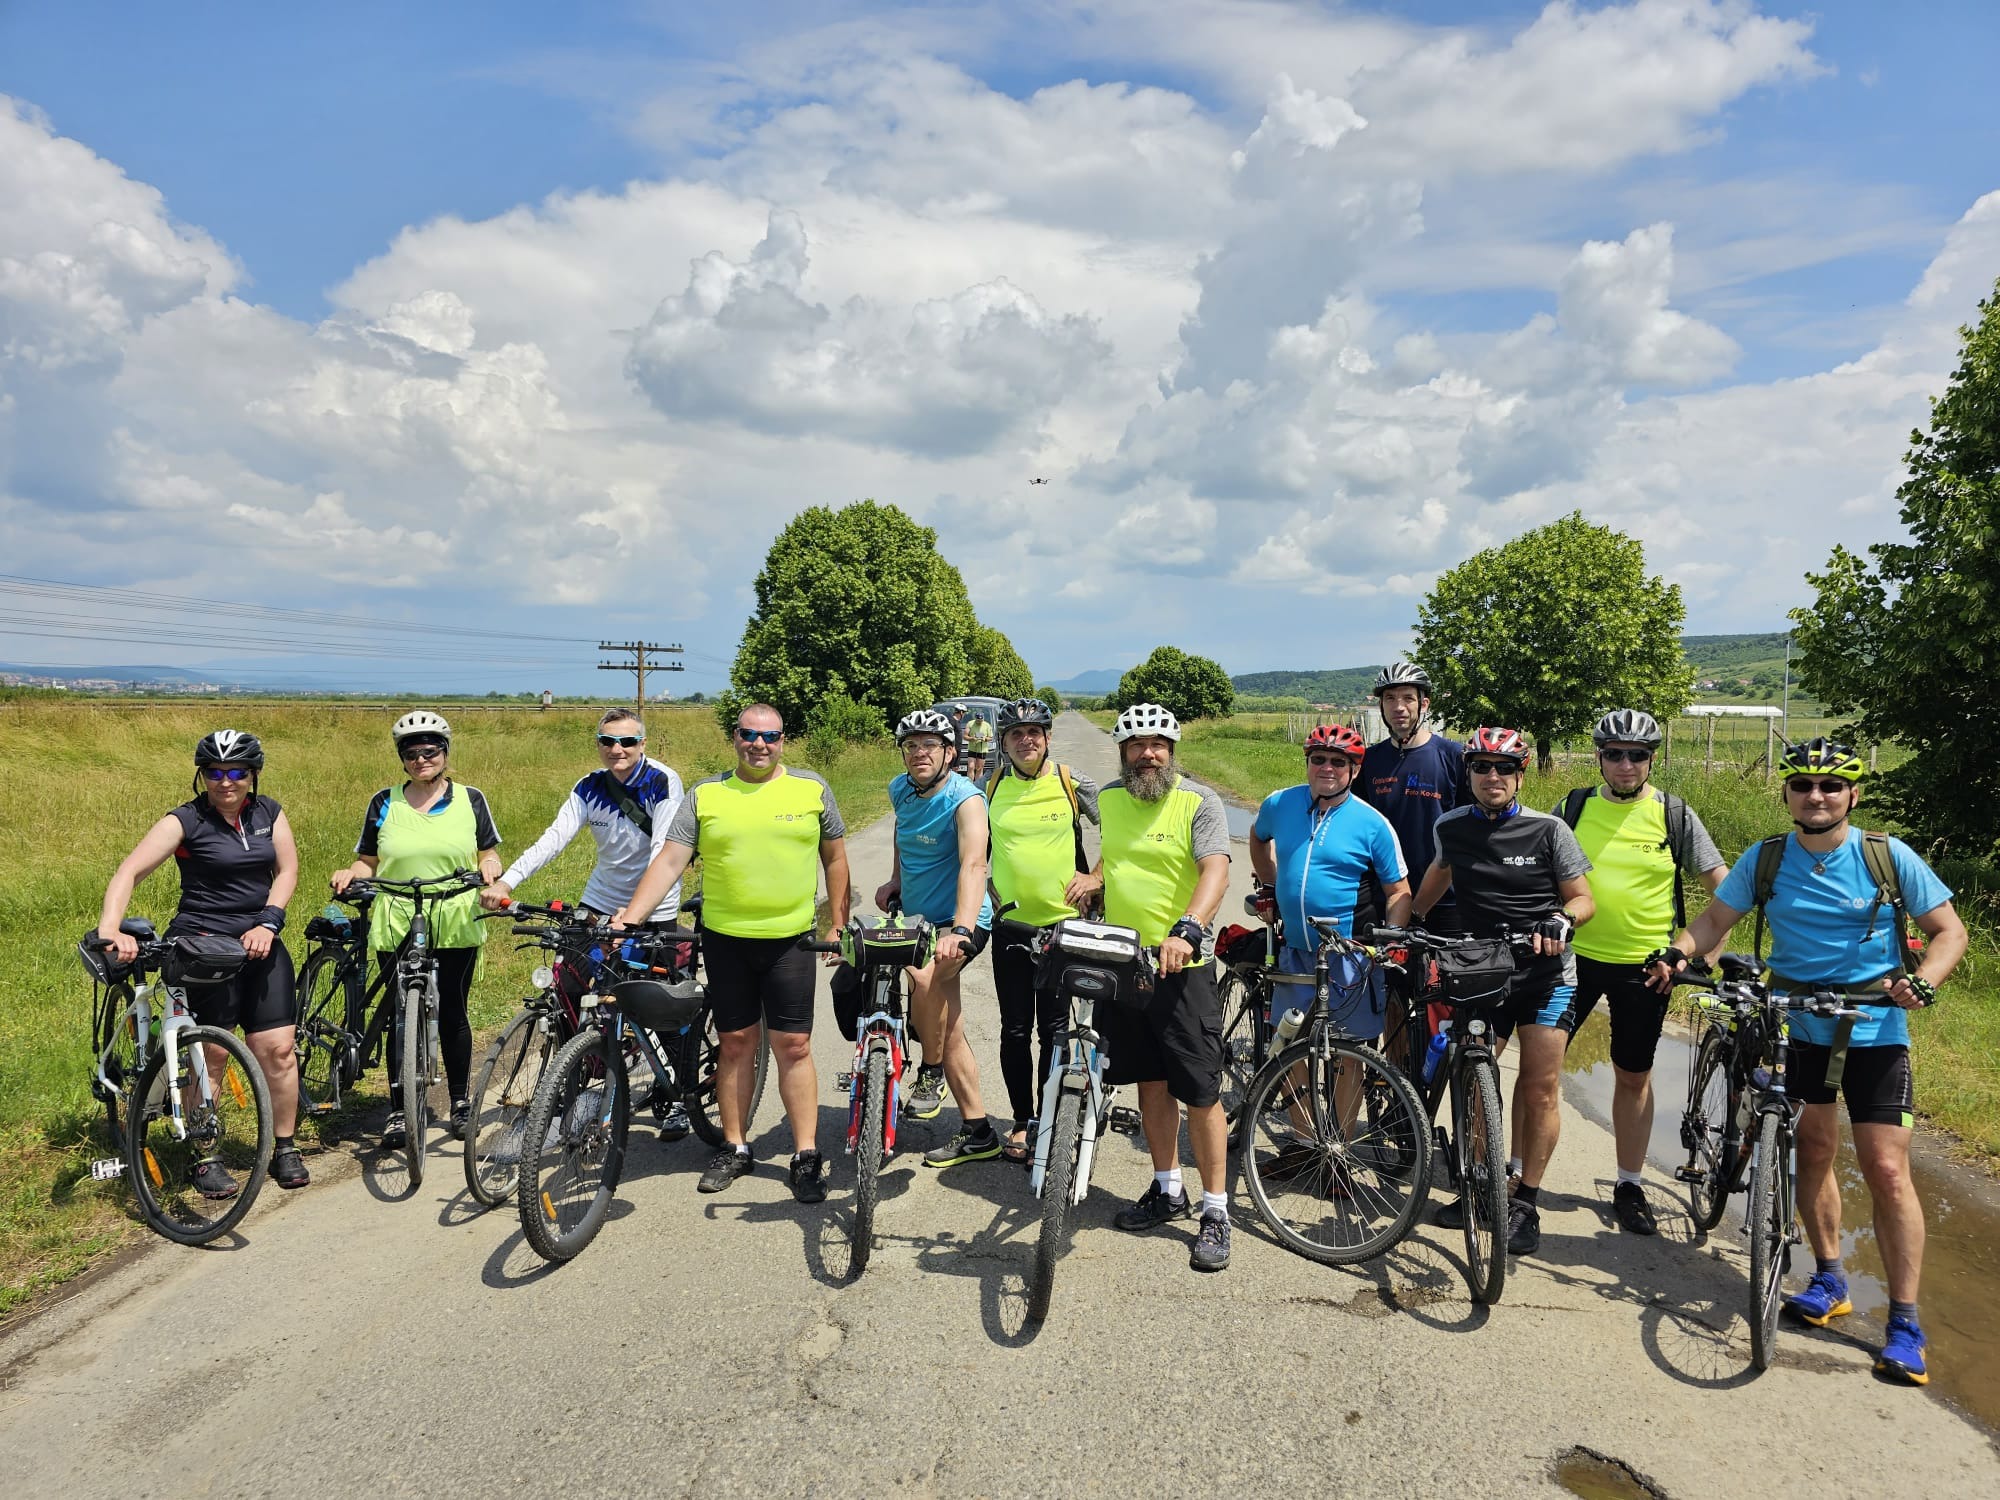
(1513,1166)
(1215,1203)
(1170,1182)
(1631,1177)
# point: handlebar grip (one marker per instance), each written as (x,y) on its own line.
(812,946)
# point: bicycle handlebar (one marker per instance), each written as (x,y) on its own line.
(1745,993)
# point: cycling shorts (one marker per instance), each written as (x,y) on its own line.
(752,979)
(1637,1011)
(1876,1083)
(262,996)
(1544,994)
(1176,1037)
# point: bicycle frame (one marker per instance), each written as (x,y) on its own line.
(1078,1068)
(137,1021)
(883,1027)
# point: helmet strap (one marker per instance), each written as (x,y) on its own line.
(1611,793)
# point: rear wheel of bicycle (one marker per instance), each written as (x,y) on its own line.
(1708,1128)
(415,1076)
(501,1097)
(1764,1215)
(328,995)
(197,1177)
(1481,1143)
(573,1146)
(700,1096)
(1245,1035)
(1058,1186)
(1336,1153)
(868,1157)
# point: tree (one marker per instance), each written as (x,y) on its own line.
(1547,632)
(1050,696)
(1193,687)
(997,669)
(1907,645)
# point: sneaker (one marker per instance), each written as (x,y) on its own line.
(1634,1213)
(1153,1210)
(1823,1300)
(288,1168)
(965,1146)
(1902,1356)
(674,1123)
(1211,1245)
(929,1095)
(728,1165)
(1524,1227)
(1450,1215)
(395,1134)
(212,1180)
(461,1117)
(807,1177)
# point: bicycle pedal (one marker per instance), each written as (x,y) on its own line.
(1690,1174)
(107,1169)
(843,1080)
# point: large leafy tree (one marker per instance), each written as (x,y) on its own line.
(1192,686)
(997,669)
(1907,645)
(1550,630)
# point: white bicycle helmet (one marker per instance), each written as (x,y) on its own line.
(926,721)
(1146,718)
(421,723)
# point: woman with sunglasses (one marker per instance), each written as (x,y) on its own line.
(427,828)
(238,867)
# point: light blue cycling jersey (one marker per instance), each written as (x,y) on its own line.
(1325,859)
(1820,930)
(927,849)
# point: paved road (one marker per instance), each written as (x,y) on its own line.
(362,1342)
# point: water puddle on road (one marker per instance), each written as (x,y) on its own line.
(1240,819)
(1594,1476)
(1961,1284)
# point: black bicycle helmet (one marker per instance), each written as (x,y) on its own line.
(1628,726)
(229,747)
(1030,713)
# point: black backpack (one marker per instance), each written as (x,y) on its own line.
(1677,816)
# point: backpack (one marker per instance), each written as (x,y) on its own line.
(1006,768)
(1677,816)
(1881,863)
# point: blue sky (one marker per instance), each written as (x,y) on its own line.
(446,348)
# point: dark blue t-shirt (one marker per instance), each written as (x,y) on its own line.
(1413,789)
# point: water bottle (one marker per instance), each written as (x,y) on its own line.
(1289,1024)
(1434,1054)
(1761,1077)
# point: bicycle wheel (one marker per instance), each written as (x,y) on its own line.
(1708,1130)
(501,1096)
(1764,1216)
(1246,1037)
(573,1146)
(1481,1143)
(700,1095)
(118,1040)
(868,1157)
(1337,1180)
(197,1176)
(1065,1137)
(326,999)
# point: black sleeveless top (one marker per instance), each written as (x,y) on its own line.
(226,868)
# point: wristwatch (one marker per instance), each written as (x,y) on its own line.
(962,930)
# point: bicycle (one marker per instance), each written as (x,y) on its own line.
(1350,1151)
(573,1137)
(191,1092)
(1740,1124)
(1249,965)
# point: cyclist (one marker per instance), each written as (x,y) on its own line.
(1638,839)
(428,827)
(1517,870)
(1165,864)
(940,875)
(1036,808)
(764,831)
(238,866)
(627,805)
(1824,907)
(1414,777)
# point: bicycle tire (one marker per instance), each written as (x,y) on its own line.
(1708,1129)
(161,1163)
(703,1114)
(1763,1215)
(566,1140)
(414,1075)
(1344,1193)
(326,1000)
(1246,1038)
(1058,1186)
(868,1157)
(1480,1140)
(122,1065)
(501,1097)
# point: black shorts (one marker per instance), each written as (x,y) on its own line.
(752,979)
(1544,994)
(263,996)
(1177,1037)
(1876,1082)
(1637,1011)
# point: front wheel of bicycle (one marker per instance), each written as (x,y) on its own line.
(415,1076)
(328,996)
(197,1175)
(1336,1150)
(1246,1035)
(501,1097)
(1764,1215)
(1706,1130)
(1481,1142)
(117,1034)
(703,1112)
(573,1146)
(1058,1187)
(868,1145)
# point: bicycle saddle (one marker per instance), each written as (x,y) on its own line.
(659,1006)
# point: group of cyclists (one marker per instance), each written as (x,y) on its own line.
(1416,829)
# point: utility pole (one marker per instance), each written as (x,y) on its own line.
(1787,709)
(640,664)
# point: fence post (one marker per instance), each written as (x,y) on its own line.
(1770,746)
(1708,758)
(1667,750)
(1871,758)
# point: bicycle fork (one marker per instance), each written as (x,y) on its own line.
(875,1033)
(1070,1074)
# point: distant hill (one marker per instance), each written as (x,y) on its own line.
(1337,685)
(1094,683)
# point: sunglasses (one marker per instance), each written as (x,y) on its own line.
(1637,757)
(1805,786)
(759,736)
(225,773)
(423,752)
(627,740)
(1318,761)
(1492,767)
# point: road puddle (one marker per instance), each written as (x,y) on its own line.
(1960,1299)
(1595,1476)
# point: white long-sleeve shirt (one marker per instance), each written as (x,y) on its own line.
(623,851)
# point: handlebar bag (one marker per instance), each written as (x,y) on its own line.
(100,963)
(203,958)
(909,946)
(1477,973)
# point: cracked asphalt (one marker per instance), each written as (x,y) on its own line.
(361,1340)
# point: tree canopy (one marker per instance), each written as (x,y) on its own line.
(1193,687)
(1907,644)
(1548,631)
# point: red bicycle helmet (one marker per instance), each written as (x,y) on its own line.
(1337,737)
(1504,744)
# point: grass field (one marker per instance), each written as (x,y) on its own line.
(86,779)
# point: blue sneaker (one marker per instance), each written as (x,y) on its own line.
(1902,1356)
(1823,1300)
